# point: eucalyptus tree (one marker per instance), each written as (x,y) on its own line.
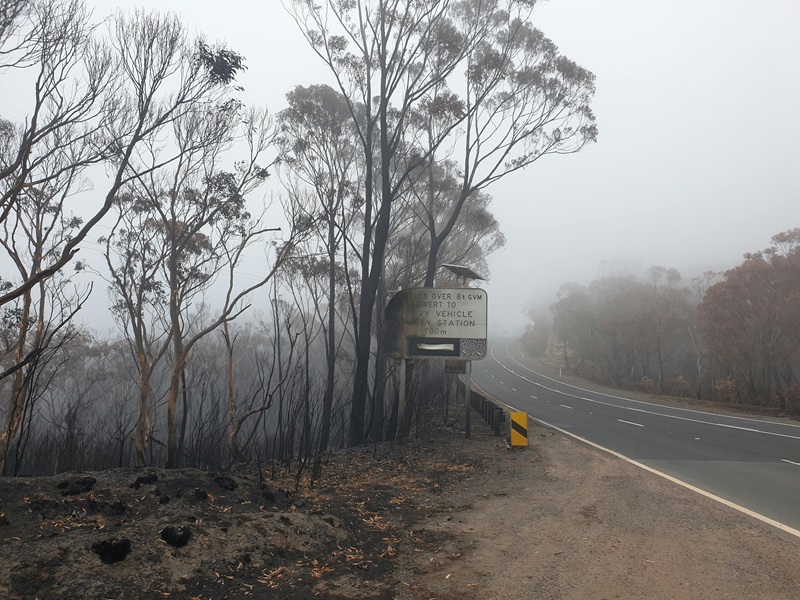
(42,161)
(520,100)
(416,74)
(94,99)
(320,150)
(97,99)
(10,13)
(196,228)
(32,232)
(749,322)
(673,316)
(417,247)
(67,106)
(385,56)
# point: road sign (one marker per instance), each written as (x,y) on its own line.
(437,323)
(518,430)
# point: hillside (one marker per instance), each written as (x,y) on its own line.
(444,518)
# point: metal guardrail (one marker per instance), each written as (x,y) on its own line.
(492,411)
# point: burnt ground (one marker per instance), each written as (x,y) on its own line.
(156,533)
(445,518)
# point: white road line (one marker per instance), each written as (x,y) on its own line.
(630,422)
(534,397)
(689,410)
(513,389)
(565,406)
(649,412)
(791,462)
(688,486)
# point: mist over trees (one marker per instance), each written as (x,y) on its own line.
(135,127)
(732,337)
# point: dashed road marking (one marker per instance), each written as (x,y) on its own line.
(640,410)
(688,486)
(630,422)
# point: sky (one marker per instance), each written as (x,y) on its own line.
(697,159)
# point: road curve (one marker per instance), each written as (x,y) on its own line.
(751,464)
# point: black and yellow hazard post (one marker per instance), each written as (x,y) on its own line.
(518,429)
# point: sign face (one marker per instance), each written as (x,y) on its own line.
(436,323)
(519,428)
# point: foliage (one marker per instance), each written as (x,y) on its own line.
(632,331)
(739,344)
(750,321)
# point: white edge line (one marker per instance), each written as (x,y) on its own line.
(791,462)
(692,410)
(641,410)
(688,486)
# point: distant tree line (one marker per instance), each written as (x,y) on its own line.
(135,139)
(732,337)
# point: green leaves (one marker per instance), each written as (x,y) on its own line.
(221,64)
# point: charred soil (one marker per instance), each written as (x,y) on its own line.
(444,518)
(156,533)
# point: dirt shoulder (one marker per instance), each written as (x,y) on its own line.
(564,521)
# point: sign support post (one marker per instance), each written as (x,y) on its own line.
(467,396)
(401,403)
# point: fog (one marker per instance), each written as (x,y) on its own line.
(697,156)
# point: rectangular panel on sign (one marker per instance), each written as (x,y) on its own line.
(425,347)
(455,365)
(437,347)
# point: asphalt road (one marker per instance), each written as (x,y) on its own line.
(753,463)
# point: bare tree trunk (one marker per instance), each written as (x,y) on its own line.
(381,370)
(144,424)
(173,457)
(234,426)
(16,404)
(184,412)
(307,407)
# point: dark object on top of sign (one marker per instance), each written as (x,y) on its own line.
(462,272)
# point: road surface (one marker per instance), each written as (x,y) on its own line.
(752,463)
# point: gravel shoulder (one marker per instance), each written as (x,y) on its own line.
(564,521)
